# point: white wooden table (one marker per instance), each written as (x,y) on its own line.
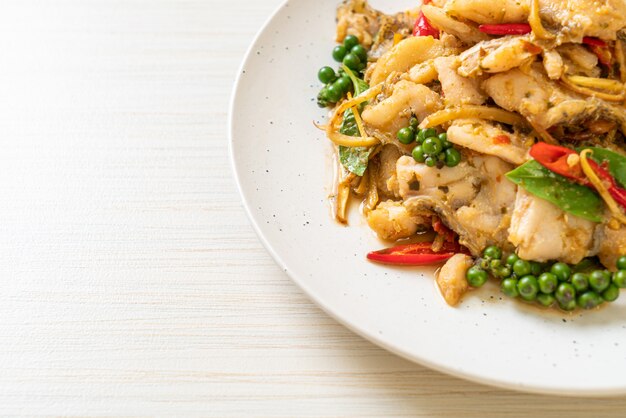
(131,282)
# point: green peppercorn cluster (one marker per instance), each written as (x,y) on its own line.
(433,149)
(584,285)
(337,85)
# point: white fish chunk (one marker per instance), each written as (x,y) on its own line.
(453,185)
(458,90)
(451,278)
(391,221)
(487,138)
(542,232)
(393,112)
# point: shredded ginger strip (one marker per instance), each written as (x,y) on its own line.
(589,92)
(470,112)
(599,185)
(535,22)
(351,141)
(598,83)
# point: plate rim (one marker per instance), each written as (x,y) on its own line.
(328,310)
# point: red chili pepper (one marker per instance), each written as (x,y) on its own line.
(420,254)
(617,192)
(588,40)
(554,158)
(600,49)
(447,234)
(506,29)
(424,28)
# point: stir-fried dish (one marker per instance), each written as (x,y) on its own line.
(497,126)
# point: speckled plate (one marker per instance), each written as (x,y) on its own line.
(282,165)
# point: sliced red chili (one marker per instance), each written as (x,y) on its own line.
(447,234)
(419,254)
(588,40)
(600,49)
(506,29)
(554,158)
(424,28)
(617,192)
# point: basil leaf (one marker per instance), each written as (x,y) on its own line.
(349,126)
(569,196)
(617,163)
(359,85)
(355,159)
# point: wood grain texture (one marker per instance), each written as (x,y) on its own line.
(131,283)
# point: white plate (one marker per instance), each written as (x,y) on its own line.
(282,166)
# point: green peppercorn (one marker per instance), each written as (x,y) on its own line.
(360,52)
(495,264)
(326,75)
(492,252)
(509,287)
(619,279)
(548,282)
(352,61)
(568,306)
(420,136)
(521,268)
(528,287)
(535,268)
(511,259)
(565,294)
(430,133)
(584,264)
(562,271)
(418,154)
(580,281)
(599,280)
(476,277)
(502,272)
(406,135)
(611,293)
(432,146)
(322,98)
(339,52)
(431,162)
(589,300)
(350,42)
(344,83)
(334,93)
(453,157)
(621,263)
(413,123)
(545,299)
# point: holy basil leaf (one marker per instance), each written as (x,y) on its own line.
(570,197)
(355,159)
(349,126)
(359,85)
(616,163)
